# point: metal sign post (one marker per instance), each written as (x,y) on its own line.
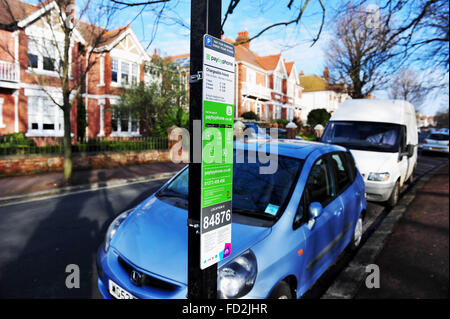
(205,19)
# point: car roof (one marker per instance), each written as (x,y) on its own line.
(288,147)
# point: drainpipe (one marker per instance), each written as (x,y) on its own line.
(236,90)
(86,97)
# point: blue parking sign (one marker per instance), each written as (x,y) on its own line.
(208,41)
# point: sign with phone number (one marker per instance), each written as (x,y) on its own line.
(217,151)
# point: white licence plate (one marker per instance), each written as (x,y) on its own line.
(118,292)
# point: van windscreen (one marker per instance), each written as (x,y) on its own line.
(370,136)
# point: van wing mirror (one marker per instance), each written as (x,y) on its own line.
(410,150)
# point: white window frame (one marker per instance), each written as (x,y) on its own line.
(58,119)
(128,132)
(119,83)
(251,76)
(258,109)
(39,42)
(277,83)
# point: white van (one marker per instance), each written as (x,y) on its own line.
(382,136)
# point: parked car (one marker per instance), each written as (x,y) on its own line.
(422,136)
(382,136)
(257,131)
(287,228)
(436,142)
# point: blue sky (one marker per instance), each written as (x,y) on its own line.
(172,34)
(251,15)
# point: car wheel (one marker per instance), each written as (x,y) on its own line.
(357,234)
(281,291)
(393,200)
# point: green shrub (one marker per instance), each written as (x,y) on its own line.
(282,122)
(318,116)
(250,116)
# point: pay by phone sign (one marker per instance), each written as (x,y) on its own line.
(217,151)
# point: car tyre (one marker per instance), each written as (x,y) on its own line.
(393,200)
(357,234)
(281,291)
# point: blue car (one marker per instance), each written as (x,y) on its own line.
(287,227)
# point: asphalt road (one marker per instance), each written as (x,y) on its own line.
(40,238)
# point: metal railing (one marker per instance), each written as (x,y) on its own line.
(9,71)
(14,145)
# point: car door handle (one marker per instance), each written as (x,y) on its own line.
(339,211)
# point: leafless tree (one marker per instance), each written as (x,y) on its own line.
(374,40)
(359,53)
(442,119)
(406,85)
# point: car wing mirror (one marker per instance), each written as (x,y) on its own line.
(315,210)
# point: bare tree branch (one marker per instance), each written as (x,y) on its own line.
(136,4)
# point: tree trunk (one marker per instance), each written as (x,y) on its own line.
(67,146)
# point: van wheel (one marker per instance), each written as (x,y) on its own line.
(281,291)
(393,200)
(411,178)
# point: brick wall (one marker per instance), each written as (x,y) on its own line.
(33,164)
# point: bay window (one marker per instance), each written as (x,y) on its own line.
(44,117)
(124,124)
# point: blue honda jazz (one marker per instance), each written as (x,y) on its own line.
(287,227)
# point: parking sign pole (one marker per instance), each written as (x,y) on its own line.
(205,19)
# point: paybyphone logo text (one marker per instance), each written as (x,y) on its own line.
(217,60)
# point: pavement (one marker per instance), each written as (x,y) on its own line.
(21,187)
(414,261)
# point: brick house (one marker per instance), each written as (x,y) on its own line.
(266,85)
(28,56)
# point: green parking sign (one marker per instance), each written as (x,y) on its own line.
(217,151)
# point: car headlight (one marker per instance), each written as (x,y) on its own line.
(236,278)
(378,177)
(113,227)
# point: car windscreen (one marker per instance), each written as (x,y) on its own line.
(371,136)
(438,137)
(255,195)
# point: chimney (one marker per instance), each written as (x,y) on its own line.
(326,74)
(243,36)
